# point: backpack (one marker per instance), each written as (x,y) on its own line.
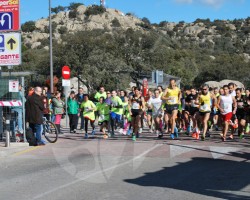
(30,137)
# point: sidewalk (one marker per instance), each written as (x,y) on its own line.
(14,148)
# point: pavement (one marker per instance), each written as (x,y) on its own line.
(76,168)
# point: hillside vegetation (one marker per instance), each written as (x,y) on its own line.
(98,43)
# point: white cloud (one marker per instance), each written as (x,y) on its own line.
(212,3)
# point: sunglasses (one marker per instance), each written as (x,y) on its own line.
(204,89)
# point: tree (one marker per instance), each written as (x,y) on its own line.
(58,9)
(28,26)
(74,6)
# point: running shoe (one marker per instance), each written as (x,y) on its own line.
(128,132)
(105,136)
(203,138)
(86,136)
(172,136)
(93,132)
(140,130)
(242,136)
(134,138)
(137,135)
(160,135)
(231,137)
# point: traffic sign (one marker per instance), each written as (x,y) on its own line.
(66,72)
(10,49)
(9,15)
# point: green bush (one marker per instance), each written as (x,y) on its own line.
(62,30)
(95,10)
(28,26)
(72,14)
(115,23)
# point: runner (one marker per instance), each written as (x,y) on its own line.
(116,112)
(101,93)
(241,113)
(225,104)
(156,104)
(204,100)
(127,117)
(136,107)
(191,109)
(172,97)
(88,108)
(149,110)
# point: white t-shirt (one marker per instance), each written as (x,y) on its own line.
(156,104)
(226,103)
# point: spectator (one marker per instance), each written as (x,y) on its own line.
(19,110)
(46,112)
(34,114)
(79,98)
(73,108)
(58,109)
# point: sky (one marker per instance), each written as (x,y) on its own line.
(155,10)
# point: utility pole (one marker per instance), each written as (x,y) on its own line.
(51,52)
(102,2)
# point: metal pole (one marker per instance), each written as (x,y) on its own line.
(156,78)
(51,52)
(23,103)
(7,133)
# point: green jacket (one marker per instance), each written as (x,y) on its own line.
(72,106)
(58,106)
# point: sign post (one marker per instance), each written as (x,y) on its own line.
(66,85)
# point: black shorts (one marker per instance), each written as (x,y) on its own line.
(204,113)
(171,108)
(193,110)
(241,115)
(136,112)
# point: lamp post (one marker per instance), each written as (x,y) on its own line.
(51,52)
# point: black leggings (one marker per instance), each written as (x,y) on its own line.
(92,123)
(73,119)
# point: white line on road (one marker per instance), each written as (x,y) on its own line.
(96,173)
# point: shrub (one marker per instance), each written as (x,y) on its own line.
(95,10)
(62,30)
(73,13)
(74,6)
(115,23)
(28,26)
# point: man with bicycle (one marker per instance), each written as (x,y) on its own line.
(34,114)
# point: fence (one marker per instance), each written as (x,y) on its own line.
(12,110)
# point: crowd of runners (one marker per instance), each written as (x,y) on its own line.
(166,112)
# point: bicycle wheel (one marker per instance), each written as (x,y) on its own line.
(50,132)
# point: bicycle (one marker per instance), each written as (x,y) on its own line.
(50,131)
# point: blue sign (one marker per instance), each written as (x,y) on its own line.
(2,43)
(6,21)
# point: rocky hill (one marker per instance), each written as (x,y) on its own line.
(200,51)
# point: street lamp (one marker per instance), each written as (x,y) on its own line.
(51,53)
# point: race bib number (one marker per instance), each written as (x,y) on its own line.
(205,107)
(172,100)
(86,109)
(101,117)
(135,106)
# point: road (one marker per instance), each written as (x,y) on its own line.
(116,169)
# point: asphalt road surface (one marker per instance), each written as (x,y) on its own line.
(118,169)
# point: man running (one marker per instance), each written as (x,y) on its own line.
(116,112)
(156,104)
(172,97)
(205,99)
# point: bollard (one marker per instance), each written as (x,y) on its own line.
(7,134)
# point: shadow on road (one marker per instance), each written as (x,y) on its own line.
(216,178)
